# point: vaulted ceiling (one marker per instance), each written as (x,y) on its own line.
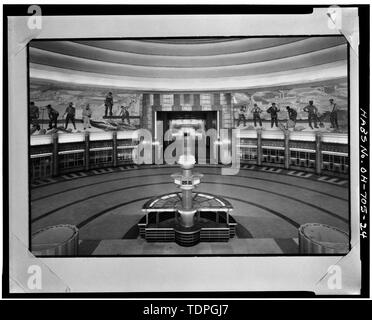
(201,64)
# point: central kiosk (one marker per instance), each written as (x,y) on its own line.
(187,217)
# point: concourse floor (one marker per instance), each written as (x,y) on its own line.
(269,206)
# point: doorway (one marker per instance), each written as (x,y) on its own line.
(187,122)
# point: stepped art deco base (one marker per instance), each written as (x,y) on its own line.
(187,217)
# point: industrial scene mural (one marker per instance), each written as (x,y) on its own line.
(124,111)
(328,116)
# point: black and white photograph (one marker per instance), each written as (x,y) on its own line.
(184,147)
(94,191)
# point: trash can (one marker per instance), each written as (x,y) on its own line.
(59,240)
(315,238)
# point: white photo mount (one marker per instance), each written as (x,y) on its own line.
(182,274)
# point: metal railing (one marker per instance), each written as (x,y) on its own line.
(322,153)
(314,152)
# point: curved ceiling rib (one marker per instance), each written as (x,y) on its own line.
(329,71)
(191,40)
(183,65)
(137,46)
(92,53)
(306,60)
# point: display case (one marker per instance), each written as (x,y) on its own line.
(321,153)
(53,155)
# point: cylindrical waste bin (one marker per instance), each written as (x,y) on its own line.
(320,238)
(59,240)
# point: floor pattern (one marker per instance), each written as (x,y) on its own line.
(269,205)
(42,182)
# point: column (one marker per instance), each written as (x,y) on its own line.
(145,106)
(55,155)
(259,147)
(318,149)
(155,105)
(140,111)
(231,110)
(286,150)
(227,120)
(86,153)
(115,148)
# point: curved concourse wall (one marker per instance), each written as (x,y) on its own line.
(211,74)
(141,104)
(204,73)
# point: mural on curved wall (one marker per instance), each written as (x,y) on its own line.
(298,98)
(59,95)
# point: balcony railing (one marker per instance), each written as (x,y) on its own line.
(313,152)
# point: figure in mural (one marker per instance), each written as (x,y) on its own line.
(273,110)
(109,102)
(87,114)
(333,115)
(242,117)
(70,115)
(124,113)
(256,114)
(292,115)
(34,117)
(53,117)
(312,114)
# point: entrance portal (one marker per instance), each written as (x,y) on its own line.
(187,122)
